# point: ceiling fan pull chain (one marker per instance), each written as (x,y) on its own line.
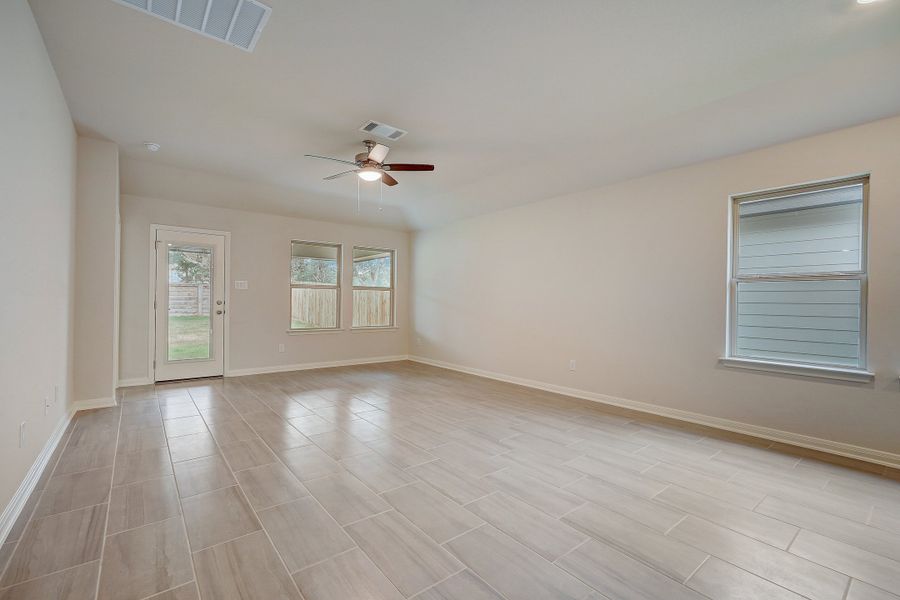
(357,195)
(381,194)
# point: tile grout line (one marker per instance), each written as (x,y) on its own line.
(587,538)
(249,505)
(436,583)
(459,535)
(112,477)
(847,589)
(694,572)
(184,529)
(677,523)
(325,560)
(793,539)
(69,568)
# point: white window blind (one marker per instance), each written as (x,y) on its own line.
(798,276)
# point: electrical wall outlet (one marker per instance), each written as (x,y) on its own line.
(22,434)
(46,404)
(240,284)
(281,347)
(572,365)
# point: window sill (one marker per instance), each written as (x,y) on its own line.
(368,329)
(854,375)
(310,331)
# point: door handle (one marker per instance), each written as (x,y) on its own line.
(219,312)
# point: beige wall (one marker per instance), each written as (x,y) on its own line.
(37,192)
(260,315)
(96,247)
(630,281)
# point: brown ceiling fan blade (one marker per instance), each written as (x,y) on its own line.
(340,160)
(408,167)
(388,179)
(342,174)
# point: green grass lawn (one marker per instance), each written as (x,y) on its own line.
(188,337)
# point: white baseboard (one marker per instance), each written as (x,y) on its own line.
(93,403)
(776,435)
(17,502)
(317,365)
(134,382)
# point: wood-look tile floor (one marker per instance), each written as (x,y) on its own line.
(404,481)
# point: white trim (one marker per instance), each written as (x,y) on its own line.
(26,488)
(134,382)
(776,435)
(316,365)
(93,403)
(854,375)
(313,331)
(370,329)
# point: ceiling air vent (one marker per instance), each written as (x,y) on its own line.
(381,130)
(235,22)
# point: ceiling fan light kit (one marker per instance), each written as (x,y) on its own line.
(369,174)
(370,165)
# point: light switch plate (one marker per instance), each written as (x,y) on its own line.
(240,285)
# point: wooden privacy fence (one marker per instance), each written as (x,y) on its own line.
(371,308)
(188,299)
(315,308)
(312,308)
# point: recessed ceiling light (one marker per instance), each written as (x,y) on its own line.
(152,146)
(866,1)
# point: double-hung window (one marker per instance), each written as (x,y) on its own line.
(798,278)
(373,287)
(315,285)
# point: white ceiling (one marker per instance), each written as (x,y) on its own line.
(513,100)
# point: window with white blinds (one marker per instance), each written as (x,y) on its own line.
(798,282)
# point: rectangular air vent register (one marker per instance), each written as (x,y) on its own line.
(235,22)
(382,130)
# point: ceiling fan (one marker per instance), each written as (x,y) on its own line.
(370,165)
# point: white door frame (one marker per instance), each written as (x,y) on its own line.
(151,321)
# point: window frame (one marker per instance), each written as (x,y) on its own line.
(392,289)
(337,287)
(858,373)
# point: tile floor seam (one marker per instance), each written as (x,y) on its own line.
(256,513)
(184,528)
(677,523)
(459,535)
(325,560)
(847,589)
(96,560)
(586,539)
(435,584)
(568,512)
(697,568)
(112,476)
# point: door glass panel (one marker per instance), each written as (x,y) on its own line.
(190,278)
